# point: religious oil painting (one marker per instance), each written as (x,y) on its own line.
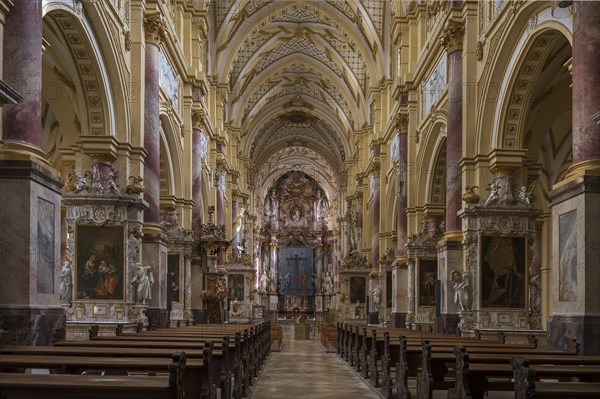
(296,276)
(388,289)
(427,277)
(100,262)
(357,289)
(235,287)
(567,249)
(503,276)
(174,277)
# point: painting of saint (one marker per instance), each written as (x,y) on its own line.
(357,289)
(99,269)
(236,287)
(503,272)
(427,278)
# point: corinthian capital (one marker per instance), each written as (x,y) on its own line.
(197,118)
(452,36)
(155,28)
(401,122)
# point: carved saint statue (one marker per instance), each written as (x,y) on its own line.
(143,281)
(66,282)
(264,282)
(376,295)
(328,284)
(461,290)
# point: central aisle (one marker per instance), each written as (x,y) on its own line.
(302,370)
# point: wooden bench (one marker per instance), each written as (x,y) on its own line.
(472,371)
(226,357)
(196,374)
(55,386)
(433,357)
(527,387)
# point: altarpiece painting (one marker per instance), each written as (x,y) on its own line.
(100,256)
(503,272)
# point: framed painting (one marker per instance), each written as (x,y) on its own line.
(258,312)
(357,289)
(427,279)
(174,278)
(100,261)
(388,289)
(503,272)
(235,287)
(296,277)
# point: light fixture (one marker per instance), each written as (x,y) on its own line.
(562,9)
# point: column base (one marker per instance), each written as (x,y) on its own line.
(398,319)
(584,329)
(447,323)
(33,326)
(157,318)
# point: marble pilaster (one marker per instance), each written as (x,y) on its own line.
(30,243)
(576,200)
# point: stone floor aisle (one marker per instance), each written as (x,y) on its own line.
(302,370)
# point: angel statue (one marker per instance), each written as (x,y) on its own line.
(461,290)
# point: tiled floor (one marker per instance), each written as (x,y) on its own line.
(302,370)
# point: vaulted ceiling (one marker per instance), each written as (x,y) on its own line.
(298,75)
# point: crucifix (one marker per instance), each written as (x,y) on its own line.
(295,259)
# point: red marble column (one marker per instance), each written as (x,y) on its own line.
(220,212)
(375,185)
(453,42)
(401,203)
(234,226)
(197,209)
(586,80)
(22,63)
(154,32)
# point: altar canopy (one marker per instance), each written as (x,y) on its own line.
(296,275)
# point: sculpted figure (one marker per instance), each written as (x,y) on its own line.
(143,281)
(66,282)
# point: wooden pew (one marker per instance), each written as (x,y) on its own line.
(434,356)
(225,356)
(197,380)
(472,370)
(527,387)
(59,386)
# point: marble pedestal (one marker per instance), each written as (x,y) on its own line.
(154,251)
(575,271)
(30,255)
(450,257)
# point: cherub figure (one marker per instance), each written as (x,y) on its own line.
(494,195)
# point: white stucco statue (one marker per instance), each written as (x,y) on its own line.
(143,282)
(462,297)
(66,282)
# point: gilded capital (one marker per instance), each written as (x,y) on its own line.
(155,28)
(375,168)
(197,118)
(401,123)
(452,37)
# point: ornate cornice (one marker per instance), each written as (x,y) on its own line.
(452,36)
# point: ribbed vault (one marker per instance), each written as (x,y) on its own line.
(298,76)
